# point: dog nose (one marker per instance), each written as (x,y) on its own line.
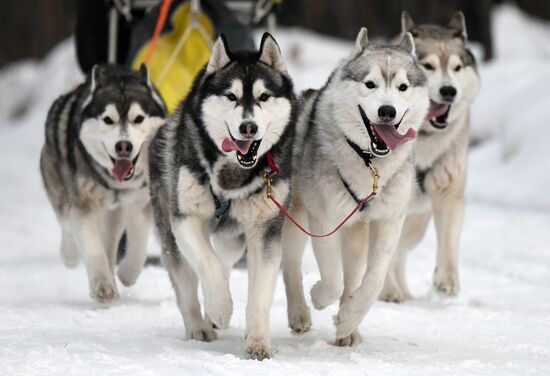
(248,129)
(387,113)
(448,93)
(123,148)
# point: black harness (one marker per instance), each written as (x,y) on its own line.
(367,158)
(421,178)
(222,206)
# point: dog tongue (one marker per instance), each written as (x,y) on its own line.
(436,109)
(228,145)
(391,137)
(121,169)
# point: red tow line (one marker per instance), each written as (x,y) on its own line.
(268,180)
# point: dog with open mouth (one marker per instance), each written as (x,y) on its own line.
(441,153)
(366,116)
(94,166)
(208,192)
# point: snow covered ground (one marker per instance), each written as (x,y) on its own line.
(499,325)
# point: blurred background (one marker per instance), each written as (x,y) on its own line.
(30,28)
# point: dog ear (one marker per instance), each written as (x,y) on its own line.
(407,43)
(407,23)
(95,77)
(220,55)
(457,26)
(270,53)
(144,73)
(362,40)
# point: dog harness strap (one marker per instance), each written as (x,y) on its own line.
(221,206)
(366,156)
(351,192)
(421,178)
(269,193)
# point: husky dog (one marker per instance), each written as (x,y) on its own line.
(206,182)
(441,153)
(95,170)
(366,115)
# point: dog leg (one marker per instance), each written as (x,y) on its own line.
(327,253)
(396,289)
(264,258)
(448,218)
(138,223)
(192,238)
(384,237)
(112,230)
(185,283)
(354,261)
(87,234)
(229,249)
(299,316)
(69,249)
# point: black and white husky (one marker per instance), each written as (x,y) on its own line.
(366,115)
(207,189)
(441,153)
(95,169)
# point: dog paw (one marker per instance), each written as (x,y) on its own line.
(446,282)
(258,350)
(393,296)
(203,334)
(348,319)
(128,274)
(299,319)
(323,295)
(103,291)
(219,306)
(352,340)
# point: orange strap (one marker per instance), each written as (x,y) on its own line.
(161,21)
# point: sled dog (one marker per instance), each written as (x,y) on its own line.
(208,193)
(366,115)
(94,166)
(441,153)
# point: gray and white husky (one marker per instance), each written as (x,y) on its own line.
(441,153)
(94,166)
(207,189)
(366,115)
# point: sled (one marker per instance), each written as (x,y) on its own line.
(175,36)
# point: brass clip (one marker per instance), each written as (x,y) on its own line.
(375,177)
(268,181)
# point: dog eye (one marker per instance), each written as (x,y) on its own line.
(458,68)
(403,87)
(264,97)
(107,120)
(232,97)
(370,84)
(428,66)
(138,119)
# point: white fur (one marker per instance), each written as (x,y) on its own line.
(100,138)
(221,114)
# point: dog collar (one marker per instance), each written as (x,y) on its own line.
(366,156)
